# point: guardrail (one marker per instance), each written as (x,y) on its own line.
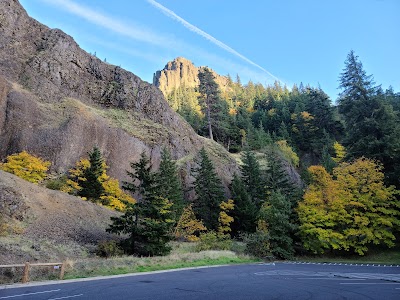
(27,266)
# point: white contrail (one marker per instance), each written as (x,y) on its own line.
(207,36)
(129,30)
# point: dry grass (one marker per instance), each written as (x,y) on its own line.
(183,255)
(131,264)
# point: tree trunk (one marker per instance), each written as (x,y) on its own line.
(209,121)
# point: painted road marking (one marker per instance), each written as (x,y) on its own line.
(370,283)
(66,297)
(29,294)
(328,278)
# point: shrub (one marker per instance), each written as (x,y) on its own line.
(56,183)
(26,166)
(212,241)
(108,249)
(257,244)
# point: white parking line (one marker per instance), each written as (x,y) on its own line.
(66,297)
(370,283)
(319,278)
(28,294)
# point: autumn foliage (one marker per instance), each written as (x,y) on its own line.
(349,212)
(26,166)
(189,227)
(113,195)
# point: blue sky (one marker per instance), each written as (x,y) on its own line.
(261,40)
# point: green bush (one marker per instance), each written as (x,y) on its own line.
(257,244)
(108,249)
(212,241)
(56,183)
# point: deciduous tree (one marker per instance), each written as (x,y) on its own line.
(26,166)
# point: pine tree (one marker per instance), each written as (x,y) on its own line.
(252,177)
(208,89)
(168,183)
(209,191)
(277,177)
(91,186)
(141,172)
(245,211)
(149,222)
(371,123)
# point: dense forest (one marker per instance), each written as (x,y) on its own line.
(364,120)
(314,177)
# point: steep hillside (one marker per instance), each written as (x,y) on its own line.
(182,72)
(58,101)
(38,223)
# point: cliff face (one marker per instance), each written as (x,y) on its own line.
(182,72)
(58,101)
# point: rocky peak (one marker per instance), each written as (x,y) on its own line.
(57,101)
(182,72)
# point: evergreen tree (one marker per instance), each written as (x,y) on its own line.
(371,124)
(91,186)
(278,180)
(141,172)
(168,184)
(149,222)
(209,191)
(277,177)
(209,92)
(245,211)
(276,213)
(252,177)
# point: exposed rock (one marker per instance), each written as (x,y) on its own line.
(181,72)
(58,101)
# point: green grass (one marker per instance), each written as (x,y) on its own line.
(131,264)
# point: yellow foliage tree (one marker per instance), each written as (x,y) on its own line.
(320,212)
(113,196)
(350,212)
(188,226)
(26,166)
(340,152)
(224,219)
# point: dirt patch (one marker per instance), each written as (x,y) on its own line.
(51,224)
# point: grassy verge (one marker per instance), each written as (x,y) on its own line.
(130,264)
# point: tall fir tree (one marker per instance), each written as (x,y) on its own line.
(148,223)
(91,186)
(209,191)
(168,184)
(209,99)
(252,177)
(371,124)
(141,172)
(245,211)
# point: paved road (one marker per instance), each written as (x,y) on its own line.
(256,281)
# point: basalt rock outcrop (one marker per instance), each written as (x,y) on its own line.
(181,72)
(58,101)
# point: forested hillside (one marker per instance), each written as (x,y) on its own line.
(284,170)
(364,119)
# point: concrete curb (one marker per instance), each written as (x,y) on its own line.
(53,282)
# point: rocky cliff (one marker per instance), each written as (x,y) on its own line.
(182,72)
(58,101)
